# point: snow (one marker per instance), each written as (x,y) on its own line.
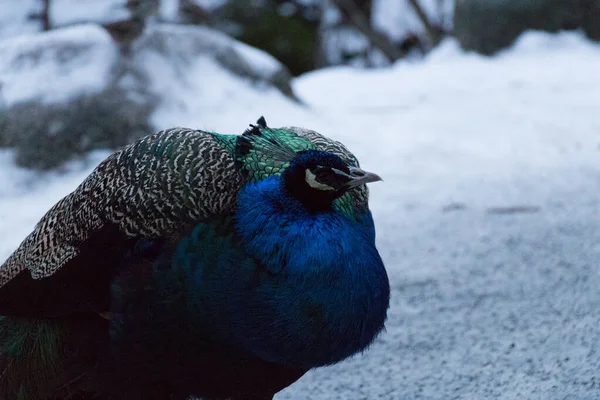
(169,10)
(57,65)
(203,96)
(15,17)
(68,12)
(261,60)
(487,217)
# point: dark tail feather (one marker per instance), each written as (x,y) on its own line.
(48,357)
(32,352)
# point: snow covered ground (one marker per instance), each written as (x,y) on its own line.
(488,217)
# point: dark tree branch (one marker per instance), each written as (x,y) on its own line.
(45,15)
(360,22)
(434,33)
(193,13)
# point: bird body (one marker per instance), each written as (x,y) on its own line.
(328,292)
(236,297)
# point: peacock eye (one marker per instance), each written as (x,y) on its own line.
(324,176)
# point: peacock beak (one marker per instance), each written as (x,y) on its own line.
(360,177)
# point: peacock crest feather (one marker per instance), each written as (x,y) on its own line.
(262,151)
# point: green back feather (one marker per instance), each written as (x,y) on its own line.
(226,141)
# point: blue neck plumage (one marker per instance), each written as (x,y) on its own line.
(326,289)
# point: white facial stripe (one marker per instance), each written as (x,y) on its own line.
(311,179)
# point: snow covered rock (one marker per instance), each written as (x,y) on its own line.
(68,91)
(183,45)
(60,95)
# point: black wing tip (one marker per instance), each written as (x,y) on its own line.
(253,130)
(261,122)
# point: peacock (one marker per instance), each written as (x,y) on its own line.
(195,264)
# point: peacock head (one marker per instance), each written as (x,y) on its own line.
(316,178)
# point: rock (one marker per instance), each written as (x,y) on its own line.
(47,135)
(591,21)
(487,26)
(72,90)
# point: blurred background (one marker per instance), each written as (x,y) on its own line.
(482,117)
(112,63)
